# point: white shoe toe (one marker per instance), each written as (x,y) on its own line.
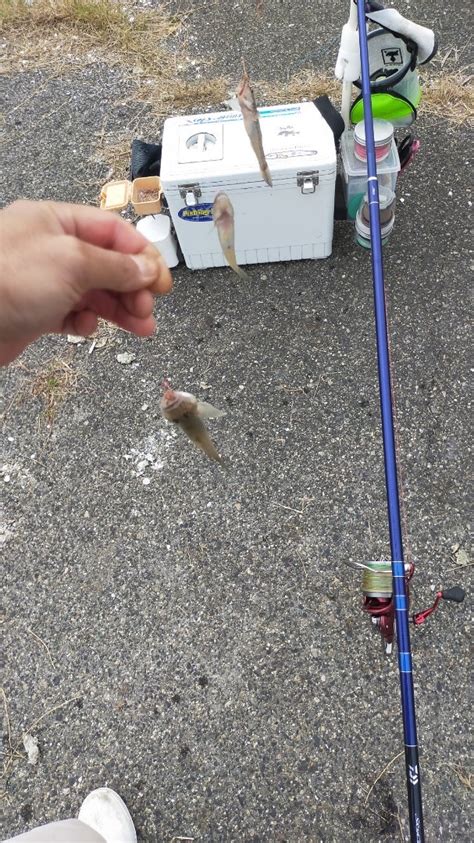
(106,813)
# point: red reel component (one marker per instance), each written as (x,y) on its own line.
(382,608)
(382,613)
(456,594)
(378,597)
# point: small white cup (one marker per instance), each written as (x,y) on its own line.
(157,229)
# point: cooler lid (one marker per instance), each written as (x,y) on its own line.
(216,146)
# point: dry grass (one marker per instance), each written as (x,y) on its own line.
(58,34)
(449,95)
(107,333)
(463,775)
(52,384)
(183,95)
(305,85)
(114,151)
(68,33)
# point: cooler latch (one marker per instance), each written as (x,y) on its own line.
(308,182)
(191,193)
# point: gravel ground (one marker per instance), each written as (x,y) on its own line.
(199,628)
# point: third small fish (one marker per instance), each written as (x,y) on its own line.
(184,409)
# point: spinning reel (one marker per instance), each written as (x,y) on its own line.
(378,597)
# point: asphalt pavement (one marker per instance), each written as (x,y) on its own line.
(193,637)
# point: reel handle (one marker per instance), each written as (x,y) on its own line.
(457,594)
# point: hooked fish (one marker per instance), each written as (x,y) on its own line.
(249,111)
(184,409)
(223,214)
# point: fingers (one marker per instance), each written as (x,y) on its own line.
(109,307)
(99,228)
(139,304)
(91,267)
(81,324)
(163,282)
(110,232)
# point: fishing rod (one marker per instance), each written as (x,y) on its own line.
(388,602)
(400,596)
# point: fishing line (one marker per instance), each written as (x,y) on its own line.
(396,426)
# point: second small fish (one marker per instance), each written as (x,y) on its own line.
(223,214)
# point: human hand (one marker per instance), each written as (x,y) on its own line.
(64,266)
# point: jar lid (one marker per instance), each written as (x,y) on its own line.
(383,132)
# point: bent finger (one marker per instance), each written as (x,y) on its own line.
(99,228)
(139,304)
(109,307)
(82,323)
(91,267)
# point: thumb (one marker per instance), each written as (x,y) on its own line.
(92,267)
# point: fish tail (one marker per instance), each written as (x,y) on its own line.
(265,171)
(211,451)
(260,154)
(232,261)
(195,428)
(205,443)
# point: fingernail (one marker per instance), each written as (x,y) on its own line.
(146,266)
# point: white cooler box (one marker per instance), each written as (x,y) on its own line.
(204,154)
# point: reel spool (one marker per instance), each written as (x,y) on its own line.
(377,580)
(378,597)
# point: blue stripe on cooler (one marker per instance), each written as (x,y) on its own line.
(235,116)
(278,110)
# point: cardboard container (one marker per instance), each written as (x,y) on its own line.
(116,195)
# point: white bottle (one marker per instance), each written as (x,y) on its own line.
(157,229)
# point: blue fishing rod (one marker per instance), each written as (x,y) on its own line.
(400,591)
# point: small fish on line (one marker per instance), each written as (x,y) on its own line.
(249,111)
(223,214)
(184,409)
